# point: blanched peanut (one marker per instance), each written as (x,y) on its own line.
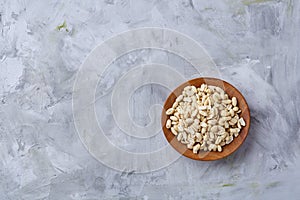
(174,131)
(219,148)
(168,125)
(242,122)
(235,109)
(170,111)
(234,101)
(196,148)
(179,98)
(228,101)
(175,104)
(173,118)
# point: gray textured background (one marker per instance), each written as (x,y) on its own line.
(255,44)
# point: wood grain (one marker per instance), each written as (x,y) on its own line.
(227,149)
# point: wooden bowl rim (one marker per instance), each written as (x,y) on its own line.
(227,149)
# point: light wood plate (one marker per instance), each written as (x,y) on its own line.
(227,149)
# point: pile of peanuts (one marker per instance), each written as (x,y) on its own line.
(204,118)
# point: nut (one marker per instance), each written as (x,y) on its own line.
(242,122)
(170,111)
(234,101)
(173,118)
(196,148)
(168,124)
(174,131)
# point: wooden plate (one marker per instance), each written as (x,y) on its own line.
(227,149)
